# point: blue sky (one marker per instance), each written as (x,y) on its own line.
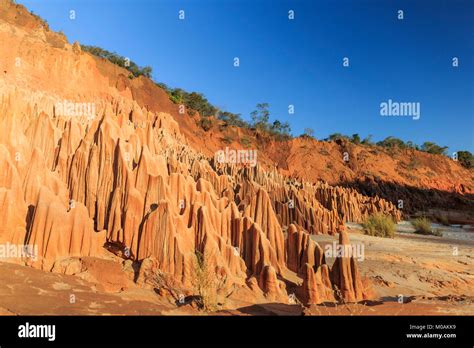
(299,61)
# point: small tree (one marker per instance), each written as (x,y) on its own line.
(433,148)
(308,132)
(280,130)
(466,159)
(260,117)
(206,283)
(336,136)
(392,142)
(412,145)
(355,139)
(231,119)
(367,140)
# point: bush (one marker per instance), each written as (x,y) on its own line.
(337,136)
(197,102)
(379,225)
(356,139)
(367,140)
(392,142)
(433,148)
(281,131)
(116,59)
(422,226)
(466,159)
(308,133)
(260,117)
(231,119)
(206,284)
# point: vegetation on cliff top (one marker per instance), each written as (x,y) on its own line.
(119,60)
(197,102)
(260,118)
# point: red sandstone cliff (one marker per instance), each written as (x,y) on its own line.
(135,178)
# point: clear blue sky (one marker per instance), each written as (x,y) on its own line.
(299,62)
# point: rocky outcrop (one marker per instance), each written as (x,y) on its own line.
(316,287)
(302,251)
(126,179)
(345,274)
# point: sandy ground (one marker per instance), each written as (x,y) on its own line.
(411,275)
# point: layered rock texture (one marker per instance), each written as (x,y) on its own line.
(90,163)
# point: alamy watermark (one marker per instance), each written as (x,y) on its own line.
(13,251)
(245,157)
(393,108)
(345,250)
(71,109)
(28,330)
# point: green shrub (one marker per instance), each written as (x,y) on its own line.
(422,225)
(392,142)
(231,119)
(379,225)
(367,140)
(466,159)
(260,117)
(433,148)
(337,136)
(308,133)
(117,59)
(281,131)
(356,139)
(207,284)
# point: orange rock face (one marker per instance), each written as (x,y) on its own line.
(127,178)
(345,275)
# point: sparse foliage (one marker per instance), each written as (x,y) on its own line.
(392,142)
(379,225)
(367,140)
(355,139)
(116,59)
(231,119)
(336,136)
(206,283)
(260,117)
(308,133)
(433,148)
(466,159)
(422,225)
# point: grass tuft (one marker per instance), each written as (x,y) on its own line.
(379,225)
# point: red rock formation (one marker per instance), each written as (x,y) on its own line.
(301,251)
(345,275)
(129,178)
(316,286)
